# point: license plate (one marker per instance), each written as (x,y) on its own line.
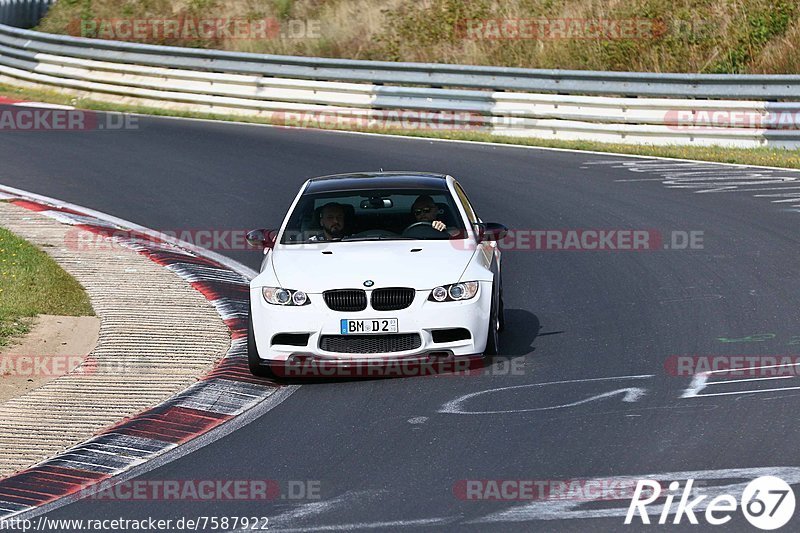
(369,325)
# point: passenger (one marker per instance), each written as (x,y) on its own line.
(331,219)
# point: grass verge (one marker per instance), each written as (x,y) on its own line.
(712,36)
(771,157)
(31,283)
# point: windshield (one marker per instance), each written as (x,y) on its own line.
(364,215)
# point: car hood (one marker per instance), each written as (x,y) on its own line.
(422,265)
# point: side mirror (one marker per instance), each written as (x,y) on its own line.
(490,231)
(262,238)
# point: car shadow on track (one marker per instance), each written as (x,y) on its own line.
(522,328)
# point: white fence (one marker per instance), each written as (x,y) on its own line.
(601,106)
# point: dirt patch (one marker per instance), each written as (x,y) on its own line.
(54,346)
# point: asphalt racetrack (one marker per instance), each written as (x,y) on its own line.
(595,382)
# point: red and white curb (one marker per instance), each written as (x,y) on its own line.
(24,103)
(226,392)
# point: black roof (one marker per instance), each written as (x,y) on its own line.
(377,180)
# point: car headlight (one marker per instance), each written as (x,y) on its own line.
(281,296)
(455,292)
(299,298)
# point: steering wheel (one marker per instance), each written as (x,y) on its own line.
(424,229)
(419,224)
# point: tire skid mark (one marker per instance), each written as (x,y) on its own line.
(711,177)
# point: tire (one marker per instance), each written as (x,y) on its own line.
(253,359)
(493,336)
(501,313)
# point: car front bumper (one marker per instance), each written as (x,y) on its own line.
(422,317)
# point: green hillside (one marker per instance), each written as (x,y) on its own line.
(709,36)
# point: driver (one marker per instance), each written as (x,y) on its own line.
(331,218)
(425,209)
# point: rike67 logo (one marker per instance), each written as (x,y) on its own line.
(767,503)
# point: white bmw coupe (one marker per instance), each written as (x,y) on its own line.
(382,265)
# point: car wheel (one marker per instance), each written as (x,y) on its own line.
(493,337)
(253,359)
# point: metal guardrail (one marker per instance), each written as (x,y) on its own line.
(762,87)
(287,88)
(23,13)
